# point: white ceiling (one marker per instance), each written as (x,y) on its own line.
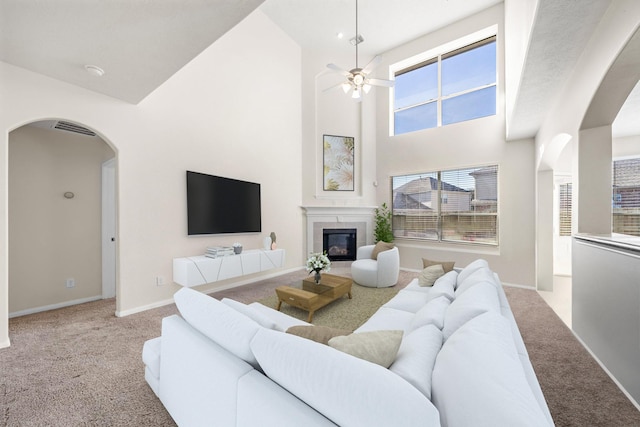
(141,43)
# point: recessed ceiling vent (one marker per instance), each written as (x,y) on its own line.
(70,127)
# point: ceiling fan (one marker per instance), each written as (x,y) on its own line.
(358,80)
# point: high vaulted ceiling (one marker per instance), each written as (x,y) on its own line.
(141,43)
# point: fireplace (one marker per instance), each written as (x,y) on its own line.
(339,243)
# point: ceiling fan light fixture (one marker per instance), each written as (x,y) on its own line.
(358,78)
(366,88)
(356,93)
(346,87)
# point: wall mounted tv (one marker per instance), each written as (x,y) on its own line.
(217,205)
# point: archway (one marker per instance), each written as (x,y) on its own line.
(55,202)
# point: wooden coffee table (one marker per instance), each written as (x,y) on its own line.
(310,297)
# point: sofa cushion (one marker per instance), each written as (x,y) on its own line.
(217,321)
(387,318)
(478,379)
(321,334)
(445,285)
(151,355)
(251,313)
(447,266)
(479,299)
(470,268)
(432,313)
(408,300)
(482,274)
(379,347)
(430,274)
(347,390)
(417,356)
(381,247)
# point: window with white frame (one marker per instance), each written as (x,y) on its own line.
(452,87)
(626,197)
(454,206)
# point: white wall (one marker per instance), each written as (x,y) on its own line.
(53,238)
(467,144)
(233,111)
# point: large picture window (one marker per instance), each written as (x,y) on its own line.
(455,206)
(453,87)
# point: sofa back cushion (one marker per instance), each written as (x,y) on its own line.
(220,323)
(347,390)
(470,268)
(479,299)
(478,378)
(445,285)
(432,313)
(482,274)
(417,356)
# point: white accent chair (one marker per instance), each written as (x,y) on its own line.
(380,273)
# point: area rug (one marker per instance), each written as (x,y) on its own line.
(344,313)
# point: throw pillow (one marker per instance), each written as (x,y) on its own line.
(417,356)
(346,390)
(430,274)
(446,265)
(379,347)
(381,247)
(321,334)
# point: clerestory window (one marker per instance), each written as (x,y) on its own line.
(451,206)
(452,87)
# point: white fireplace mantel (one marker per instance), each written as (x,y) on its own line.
(359,217)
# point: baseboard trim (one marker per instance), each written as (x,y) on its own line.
(53,306)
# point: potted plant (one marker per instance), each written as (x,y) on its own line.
(383,231)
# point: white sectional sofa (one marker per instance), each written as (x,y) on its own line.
(460,362)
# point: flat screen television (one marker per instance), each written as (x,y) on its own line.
(217,205)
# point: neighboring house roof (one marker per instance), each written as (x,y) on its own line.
(421,185)
(485,171)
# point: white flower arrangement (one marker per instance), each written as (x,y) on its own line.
(318,262)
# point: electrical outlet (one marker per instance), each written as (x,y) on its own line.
(160,281)
(71,282)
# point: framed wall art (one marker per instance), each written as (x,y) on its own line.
(337,162)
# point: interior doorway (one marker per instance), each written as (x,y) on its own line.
(59,174)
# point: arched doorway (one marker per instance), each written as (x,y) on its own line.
(55,215)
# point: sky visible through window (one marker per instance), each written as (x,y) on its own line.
(468,90)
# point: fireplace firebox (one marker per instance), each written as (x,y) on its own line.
(339,243)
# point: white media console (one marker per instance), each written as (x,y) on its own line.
(199,270)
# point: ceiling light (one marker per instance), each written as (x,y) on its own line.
(94,70)
(340,35)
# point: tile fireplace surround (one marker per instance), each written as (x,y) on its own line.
(320,217)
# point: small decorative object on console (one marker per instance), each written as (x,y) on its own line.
(273,241)
(237,248)
(318,262)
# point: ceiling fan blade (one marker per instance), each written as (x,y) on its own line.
(332,87)
(335,68)
(372,64)
(381,82)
